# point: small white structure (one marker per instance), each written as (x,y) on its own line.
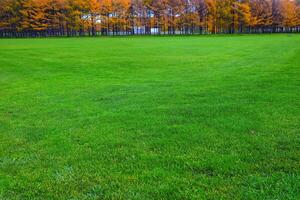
(139,30)
(154,31)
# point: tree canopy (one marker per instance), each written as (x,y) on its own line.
(21,18)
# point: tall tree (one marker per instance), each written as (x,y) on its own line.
(289,14)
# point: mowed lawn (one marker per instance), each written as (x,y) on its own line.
(208,117)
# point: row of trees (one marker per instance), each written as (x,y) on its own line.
(33,18)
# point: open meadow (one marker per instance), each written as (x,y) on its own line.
(191,117)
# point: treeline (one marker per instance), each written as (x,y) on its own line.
(41,18)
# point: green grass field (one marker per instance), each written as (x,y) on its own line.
(211,117)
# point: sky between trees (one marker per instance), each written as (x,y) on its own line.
(21,18)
